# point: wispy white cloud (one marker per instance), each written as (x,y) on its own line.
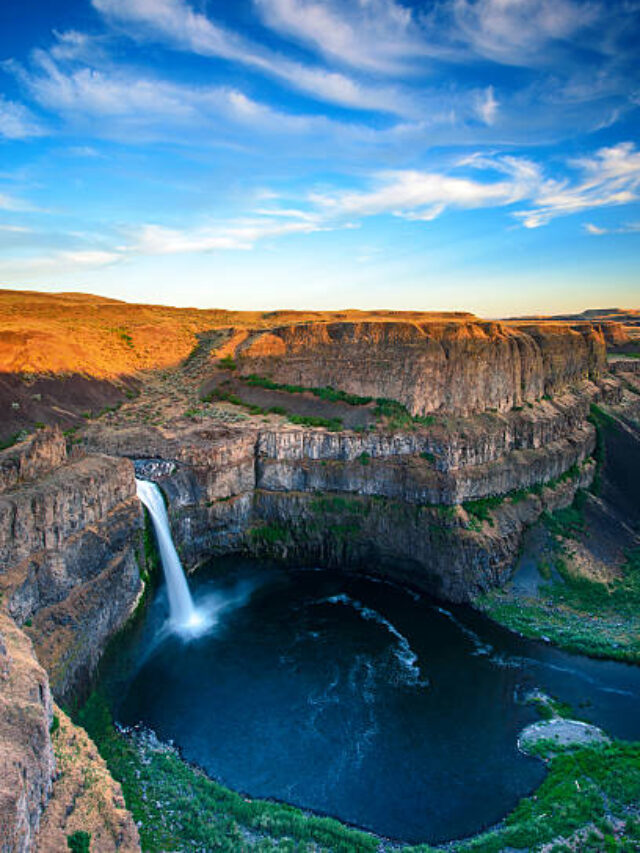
(18,122)
(597,231)
(425,195)
(177,24)
(57,263)
(9,202)
(486,105)
(516,32)
(73,45)
(122,93)
(610,177)
(613,176)
(14,229)
(240,235)
(146,107)
(378,35)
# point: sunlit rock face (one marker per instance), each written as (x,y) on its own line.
(461,367)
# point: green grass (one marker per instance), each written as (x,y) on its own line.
(123,333)
(268,534)
(549,707)
(577,613)
(587,789)
(587,803)
(592,790)
(337,504)
(397,415)
(601,421)
(10,441)
(480,510)
(332,424)
(227,363)
(324,393)
(150,549)
(179,808)
(568,522)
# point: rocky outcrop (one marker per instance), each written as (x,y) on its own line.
(429,366)
(84,797)
(26,757)
(445,552)
(625,365)
(415,480)
(69,552)
(30,460)
(569,354)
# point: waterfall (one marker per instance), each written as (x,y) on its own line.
(184,616)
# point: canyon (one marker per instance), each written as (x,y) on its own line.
(464,432)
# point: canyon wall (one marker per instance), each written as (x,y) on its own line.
(460,367)
(401,501)
(70,536)
(27,766)
(70,560)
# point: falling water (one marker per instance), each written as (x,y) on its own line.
(184,616)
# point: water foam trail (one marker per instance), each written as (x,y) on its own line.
(405,655)
(480,649)
(516,661)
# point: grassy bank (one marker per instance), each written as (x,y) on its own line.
(588,802)
(177,807)
(599,618)
(590,795)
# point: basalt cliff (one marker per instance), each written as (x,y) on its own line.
(416,447)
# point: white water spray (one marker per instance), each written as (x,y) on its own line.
(185,618)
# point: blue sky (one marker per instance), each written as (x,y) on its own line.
(477,155)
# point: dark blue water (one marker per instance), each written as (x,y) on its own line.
(357,699)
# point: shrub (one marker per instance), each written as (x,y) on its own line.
(79,842)
(227,363)
(481,509)
(332,424)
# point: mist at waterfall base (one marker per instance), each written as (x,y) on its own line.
(354,698)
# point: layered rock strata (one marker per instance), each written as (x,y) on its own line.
(69,536)
(260,487)
(428,366)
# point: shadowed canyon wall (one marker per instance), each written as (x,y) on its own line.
(69,551)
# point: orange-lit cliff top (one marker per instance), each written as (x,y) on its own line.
(77,332)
